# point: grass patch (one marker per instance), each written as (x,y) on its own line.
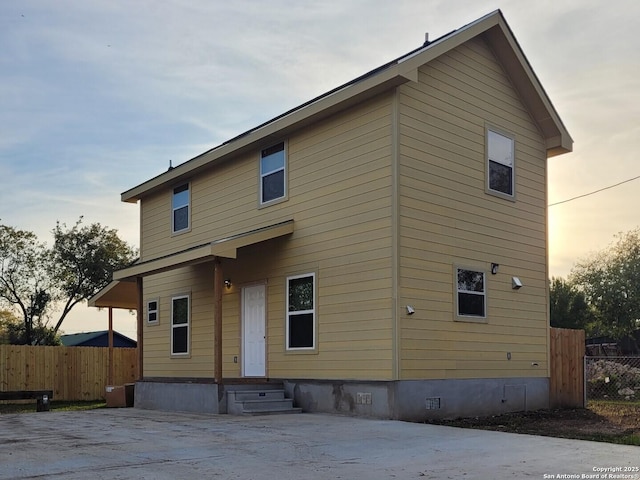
(60,406)
(622,439)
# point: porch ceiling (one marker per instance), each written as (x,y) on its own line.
(123,294)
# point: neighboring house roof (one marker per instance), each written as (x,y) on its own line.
(96,339)
(626,346)
(493,27)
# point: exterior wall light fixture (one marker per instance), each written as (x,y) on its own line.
(494,268)
(227,283)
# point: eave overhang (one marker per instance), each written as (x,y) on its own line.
(275,130)
(116,295)
(225,247)
(496,32)
(122,292)
(492,27)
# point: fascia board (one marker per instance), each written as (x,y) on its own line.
(507,49)
(449,42)
(225,247)
(386,79)
(170,262)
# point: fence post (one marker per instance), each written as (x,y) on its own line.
(584,381)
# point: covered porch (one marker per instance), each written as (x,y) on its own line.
(127,291)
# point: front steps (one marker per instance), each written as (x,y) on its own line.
(259,400)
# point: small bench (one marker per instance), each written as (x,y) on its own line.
(43,397)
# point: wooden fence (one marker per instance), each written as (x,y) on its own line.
(566,386)
(73,373)
(80,373)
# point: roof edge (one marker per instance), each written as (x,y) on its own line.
(389,75)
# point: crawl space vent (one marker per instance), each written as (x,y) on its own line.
(433,403)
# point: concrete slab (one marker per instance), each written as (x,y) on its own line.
(145,444)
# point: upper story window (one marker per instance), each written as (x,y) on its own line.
(273,175)
(500,168)
(180,209)
(471,293)
(301,312)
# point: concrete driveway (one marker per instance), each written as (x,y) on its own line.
(143,444)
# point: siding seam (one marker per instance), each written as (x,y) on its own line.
(395,230)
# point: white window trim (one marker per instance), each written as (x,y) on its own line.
(173,210)
(261,175)
(182,325)
(302,312)
(498,193)
(156,311)
(469,318)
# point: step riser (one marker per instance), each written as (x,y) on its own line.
(275,412)
(267,395)
(259,402)
(274,405)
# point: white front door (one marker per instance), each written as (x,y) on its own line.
(253,331)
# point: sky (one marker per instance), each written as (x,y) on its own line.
(98,96)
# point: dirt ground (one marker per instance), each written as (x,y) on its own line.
(602,421)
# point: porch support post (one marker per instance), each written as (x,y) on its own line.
(110,371)
(139,329)
(217,319)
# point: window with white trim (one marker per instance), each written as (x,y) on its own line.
(273,175)
(180,209)
(471,293)
(500,166)
(152,312)
(180,321)
(301,313)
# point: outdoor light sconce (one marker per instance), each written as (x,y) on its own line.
(410,310)
(494,268)
(516,283)
(227,282)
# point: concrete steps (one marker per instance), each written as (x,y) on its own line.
(258,400)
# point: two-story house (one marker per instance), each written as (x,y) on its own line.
(381,249)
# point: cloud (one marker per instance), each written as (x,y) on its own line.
(97,97)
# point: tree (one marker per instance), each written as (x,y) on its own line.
(34,280)
(568,306)
(8,323)
(24,283)
(83,260)
(610,280)
(12,331)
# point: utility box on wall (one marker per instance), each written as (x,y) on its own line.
(120,395)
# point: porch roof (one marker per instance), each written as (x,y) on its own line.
(117,294)
(122,291)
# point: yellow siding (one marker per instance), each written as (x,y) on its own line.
(196,282)
(339,196)
(447,219)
